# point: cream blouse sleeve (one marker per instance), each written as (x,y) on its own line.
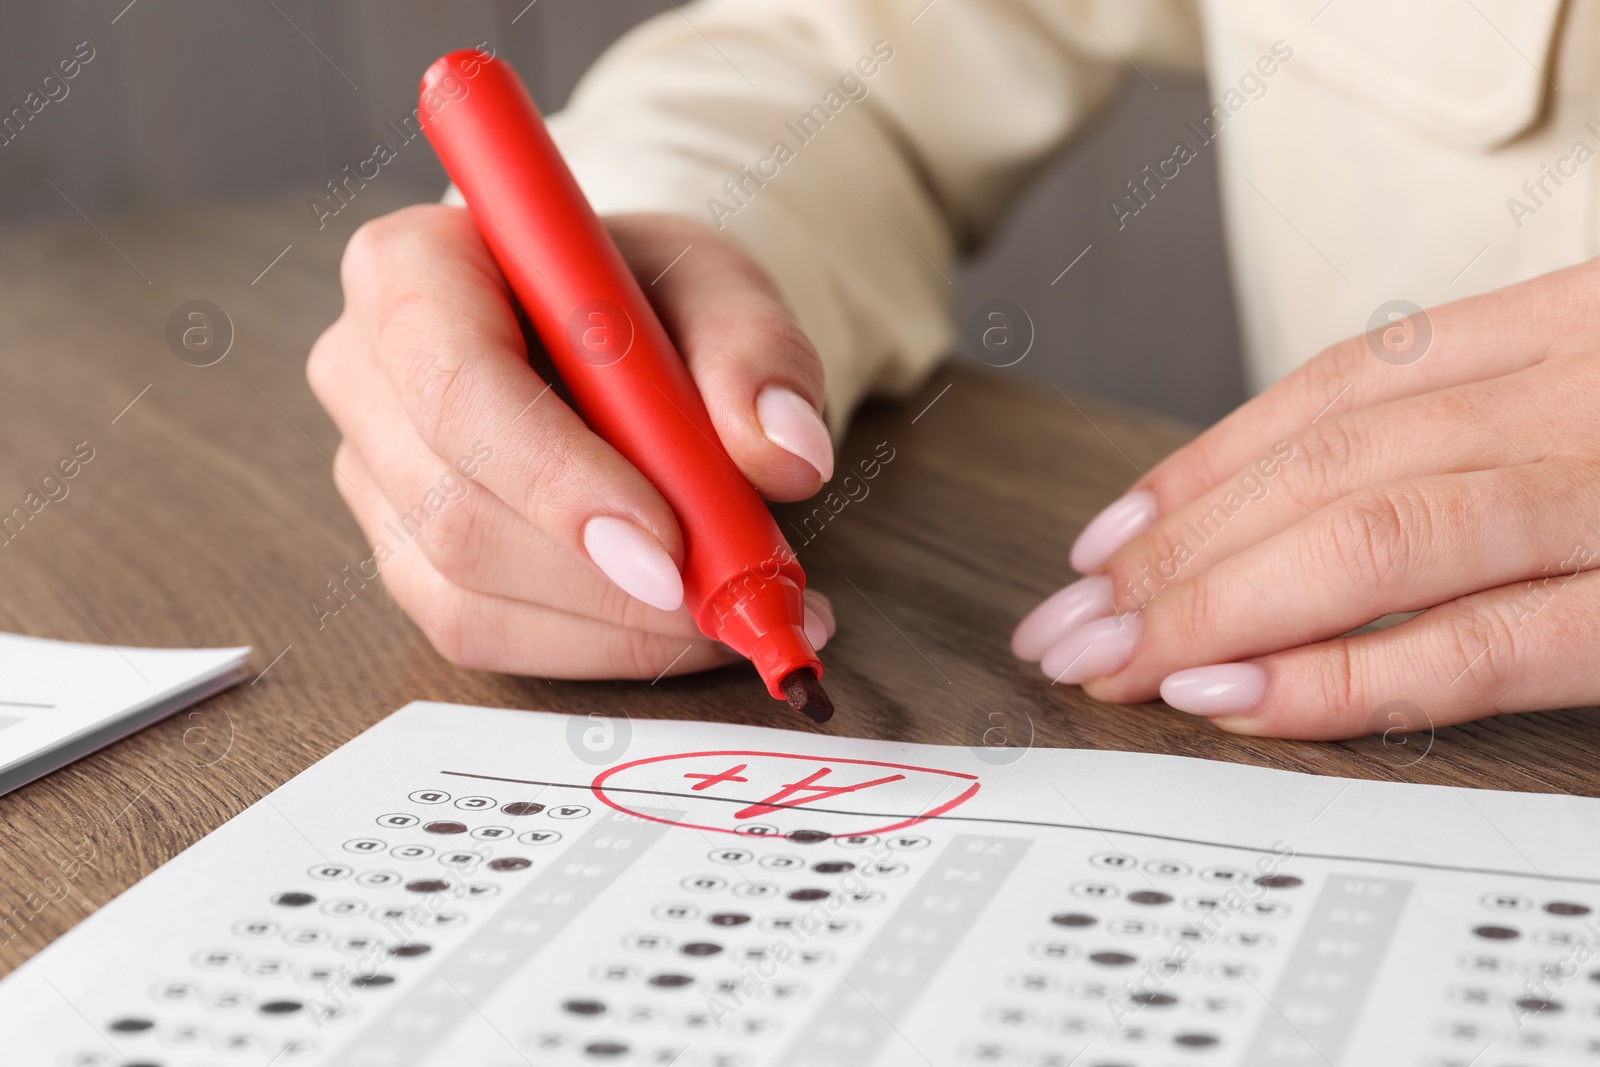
(855,147)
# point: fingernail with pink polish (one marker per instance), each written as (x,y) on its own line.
(820,624)
(1084,600)
(634,560)
(1093,650)
(1224,689)
(1112,528)
(791,423)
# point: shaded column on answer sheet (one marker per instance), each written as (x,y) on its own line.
(891,975)
(1317,1005)
(417,1023)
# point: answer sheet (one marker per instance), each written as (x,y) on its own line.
(467,886)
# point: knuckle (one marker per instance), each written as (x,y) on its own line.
(1340,691)
(1321,382)
(641,654)
(1144,572)
(379,243)
(1325,455)
(452,630)
(1195,468)
(321,363)
(1199,611)
(440,390)
(611,604)
(457,536)
(342,461)
(377,237)
(1453,416)
(1375,537)
(1480,647)
(776,341)
(439,610)
(546,468)
(365,251)
(776,331)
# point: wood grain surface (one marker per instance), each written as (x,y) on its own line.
(208,516)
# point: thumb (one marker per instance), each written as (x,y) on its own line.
(759,375)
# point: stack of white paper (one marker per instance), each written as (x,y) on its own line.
(60,700)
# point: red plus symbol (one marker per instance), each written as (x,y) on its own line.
(729,775)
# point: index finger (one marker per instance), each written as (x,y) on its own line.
(1467,340)
(442,328)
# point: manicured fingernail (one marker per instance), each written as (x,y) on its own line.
(1225,689)
(1113,528)
(634,560)
(791,423)
(816,630)
(1084,600)
(820,625)
(1093,650)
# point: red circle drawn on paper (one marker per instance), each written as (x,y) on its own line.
(598,787)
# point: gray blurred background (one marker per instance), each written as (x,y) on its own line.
(200,100)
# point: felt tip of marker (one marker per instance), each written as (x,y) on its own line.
(804,692)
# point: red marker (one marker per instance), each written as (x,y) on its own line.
(741,579)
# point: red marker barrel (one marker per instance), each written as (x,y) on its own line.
(741,580)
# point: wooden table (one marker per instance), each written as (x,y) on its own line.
(209,517)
